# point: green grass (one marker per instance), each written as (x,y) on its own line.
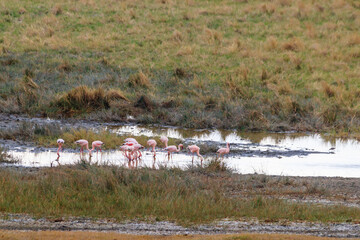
(46,135)
(250,65)
(167,194)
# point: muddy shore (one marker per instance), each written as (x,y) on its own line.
(25,222)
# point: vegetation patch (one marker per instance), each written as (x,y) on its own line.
(166,194)
(250,65)
(5,157)
(84,99)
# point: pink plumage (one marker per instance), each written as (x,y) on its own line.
(172,148)
(60,142)
(131,140)
(96,144)
(223,151)
(152,143)
(83,143)
(195,149)
(164,140)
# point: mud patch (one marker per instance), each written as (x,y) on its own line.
(26,222)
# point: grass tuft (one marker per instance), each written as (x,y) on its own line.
(139,80)
(56,10)
(84,99)
(294,44)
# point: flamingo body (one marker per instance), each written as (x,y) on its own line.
(195,149)
(164,140)
(152,144)
(172,148)
(96,144)
(83,143)
(223,151)
(131,140)
(60,142)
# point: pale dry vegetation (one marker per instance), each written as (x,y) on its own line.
(279,62)
(45,235)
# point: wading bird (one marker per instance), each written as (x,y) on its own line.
(172,148)
(83,143)
(223,151)
(164,140)
(133,140)
(195,149)
(97,145)
(152,144)
(60,142)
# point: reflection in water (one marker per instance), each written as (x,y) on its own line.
(274,153)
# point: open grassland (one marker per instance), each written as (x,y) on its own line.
(270,65)
(197,195)
(44,235)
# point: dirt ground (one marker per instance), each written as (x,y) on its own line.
(44,235)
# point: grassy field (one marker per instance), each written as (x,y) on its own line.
(44,235)
(268,65)
(197,195)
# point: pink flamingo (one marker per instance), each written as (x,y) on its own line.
(83,143)
(172,148)
(130,140)
(60,142)
(137,148)
(152,144)
(97,145)
(164,140)
(127,151)
(195,149)
(223,151)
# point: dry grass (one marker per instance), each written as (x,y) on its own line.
(45,235)
(301,43)
(197,195)
(139,80)
(86,99)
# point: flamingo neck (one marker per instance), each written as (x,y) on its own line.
(59,148)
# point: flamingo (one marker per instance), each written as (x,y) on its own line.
(97,145)
(60,142)
(195,149)
(137,148)
(130,140)
(127,151)
(152,144)
(164,140)
(83,143)
(172,148)
(223,151)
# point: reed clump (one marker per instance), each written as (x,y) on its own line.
(84,99)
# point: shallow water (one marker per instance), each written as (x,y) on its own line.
(287,154)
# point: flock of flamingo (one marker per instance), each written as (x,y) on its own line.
(131,148)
